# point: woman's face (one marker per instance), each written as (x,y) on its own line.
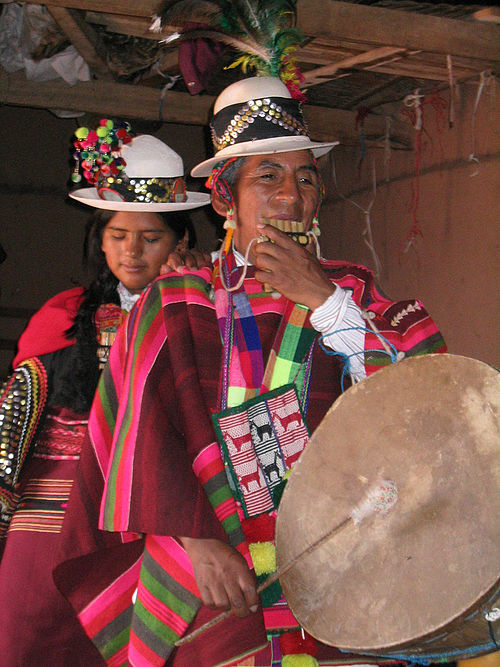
(136,244)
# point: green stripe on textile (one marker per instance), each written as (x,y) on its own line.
(163,633)
(284,372)
(231,524)
(115,644)
(289,348)
(377,359)
(236,395)
(219,496)
(147,314)
(146,317)
(169,599)
(106,405)
(285,365)
(428,346)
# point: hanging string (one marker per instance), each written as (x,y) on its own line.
(414,102)
(171,81)
(367,233)
(451,83)
(414,110)
(387,146)
(484,76)
(244,271)
(389,349)
(360,125)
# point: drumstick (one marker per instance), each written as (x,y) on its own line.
(379,499)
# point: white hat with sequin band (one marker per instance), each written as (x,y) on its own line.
(258,116)
(130,173)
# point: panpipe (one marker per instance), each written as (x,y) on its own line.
(295,229)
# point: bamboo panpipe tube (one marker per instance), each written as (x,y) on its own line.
(295,229)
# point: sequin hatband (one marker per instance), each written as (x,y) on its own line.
(265,118)
(145,190)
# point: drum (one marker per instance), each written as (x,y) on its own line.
(420,582)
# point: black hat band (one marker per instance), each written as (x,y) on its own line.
(266,118)
(142,190)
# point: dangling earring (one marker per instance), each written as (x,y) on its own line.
(314,233)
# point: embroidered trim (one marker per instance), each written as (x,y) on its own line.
(411,308)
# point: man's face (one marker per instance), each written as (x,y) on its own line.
(282,186)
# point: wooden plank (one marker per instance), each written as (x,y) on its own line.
(137,26)
(322,74)
(413,31)
(127,7)
(107,98)
(491,14)
(83,38)
(422,70)
(354,23)
(135,101)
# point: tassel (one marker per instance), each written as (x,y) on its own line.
(263,557)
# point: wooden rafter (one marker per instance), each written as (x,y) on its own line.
(352,23)
(344,23)
(126,101)
(490,14)
(343,37)
(83,38)
(375,56)
(145,8)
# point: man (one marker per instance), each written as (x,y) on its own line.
(254,353)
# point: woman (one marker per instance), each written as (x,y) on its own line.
(45,406)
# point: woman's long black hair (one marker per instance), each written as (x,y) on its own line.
(76,369)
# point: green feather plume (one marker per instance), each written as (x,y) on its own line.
(263,32)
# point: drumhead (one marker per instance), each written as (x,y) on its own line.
(431,425)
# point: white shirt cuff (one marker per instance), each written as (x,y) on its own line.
(337,313)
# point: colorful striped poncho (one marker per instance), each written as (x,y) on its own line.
(152,469)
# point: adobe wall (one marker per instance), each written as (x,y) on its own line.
(452,263)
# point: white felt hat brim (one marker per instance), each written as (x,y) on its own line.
(90,197)
(263,147)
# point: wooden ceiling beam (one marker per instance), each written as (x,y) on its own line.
(422,70)
(413,31)
(137,26)
(125,101)
(344,22)
(144,8)
(322,74)
(85,40)
(491,14)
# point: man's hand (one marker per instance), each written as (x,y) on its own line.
(223,577)
(192,259)
(291,269)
